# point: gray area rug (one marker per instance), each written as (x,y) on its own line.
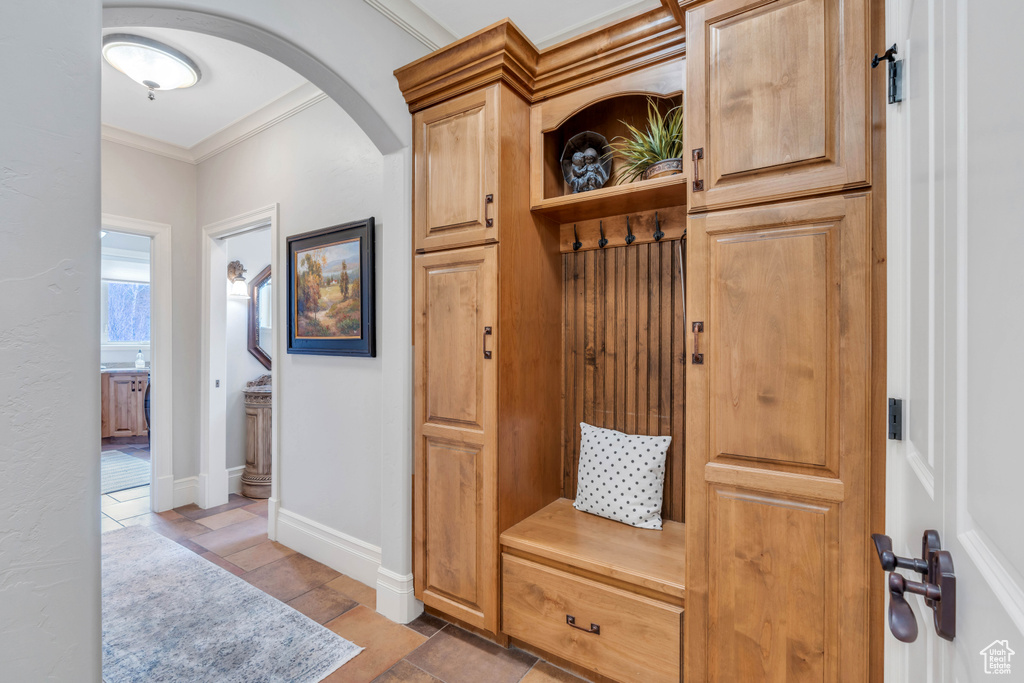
(120,471)
(170,615)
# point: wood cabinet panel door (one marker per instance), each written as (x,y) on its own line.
(778,449)
(455,172)
(777,102)
(456,425)
(123,406)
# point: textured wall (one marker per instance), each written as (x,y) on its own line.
(49,341)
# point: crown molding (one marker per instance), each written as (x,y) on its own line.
(281,109)
(597,21)
(300,99)
(146,144)
(409,17)
(501,52)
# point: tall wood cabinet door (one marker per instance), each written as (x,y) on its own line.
(455,531)
(777,443)
(455,171)
(122,407)
(777,103)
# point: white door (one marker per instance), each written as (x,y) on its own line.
(956,326)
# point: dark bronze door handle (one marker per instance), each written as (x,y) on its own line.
(938,587)
(487,333)
(594,628)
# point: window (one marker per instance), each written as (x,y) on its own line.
(125,312)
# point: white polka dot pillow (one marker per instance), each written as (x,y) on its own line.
(621,476)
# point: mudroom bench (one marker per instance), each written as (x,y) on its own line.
(600,594)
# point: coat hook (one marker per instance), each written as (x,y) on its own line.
(602,242)
(577,244)
(658,234)
(629,232)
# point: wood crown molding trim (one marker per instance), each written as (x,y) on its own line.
(501,52)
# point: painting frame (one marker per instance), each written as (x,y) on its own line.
(311,334)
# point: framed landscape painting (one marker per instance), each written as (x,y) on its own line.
(331,291)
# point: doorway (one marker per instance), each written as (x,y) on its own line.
(227,363)
(135,400)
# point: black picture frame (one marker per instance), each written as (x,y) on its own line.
(320,243)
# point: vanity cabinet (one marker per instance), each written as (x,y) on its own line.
(123,403)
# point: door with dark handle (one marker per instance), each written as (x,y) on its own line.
(938,587)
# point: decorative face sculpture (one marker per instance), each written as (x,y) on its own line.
(577,161)
(590,156)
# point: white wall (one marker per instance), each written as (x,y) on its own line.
(144,186)
(253,250)
(322,170)
(49,341)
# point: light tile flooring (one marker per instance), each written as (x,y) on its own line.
(428,650)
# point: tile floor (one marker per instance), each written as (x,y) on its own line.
(429,650)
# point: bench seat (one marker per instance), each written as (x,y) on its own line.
(602,595)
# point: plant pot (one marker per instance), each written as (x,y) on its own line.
(663,168)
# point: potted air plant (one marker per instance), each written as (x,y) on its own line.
(654,152)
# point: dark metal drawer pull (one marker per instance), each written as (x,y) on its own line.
(594,628)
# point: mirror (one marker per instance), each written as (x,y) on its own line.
(260,319)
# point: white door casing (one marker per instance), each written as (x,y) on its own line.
(213,474)
(955,318)
(161,357)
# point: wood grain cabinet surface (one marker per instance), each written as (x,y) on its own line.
(482,313)
(455,157)
(777,441)
(776,100)
(123,404)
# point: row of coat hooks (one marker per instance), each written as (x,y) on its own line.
(630,237)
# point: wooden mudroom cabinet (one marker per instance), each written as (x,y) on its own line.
(738,307)
(482,313)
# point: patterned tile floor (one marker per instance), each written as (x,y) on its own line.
(429,650)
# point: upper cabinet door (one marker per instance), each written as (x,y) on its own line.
(455,149)
(776,101)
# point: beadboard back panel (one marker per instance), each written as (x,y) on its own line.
(624,356)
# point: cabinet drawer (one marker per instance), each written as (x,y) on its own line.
(639,639)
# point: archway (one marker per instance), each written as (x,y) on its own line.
(384,119)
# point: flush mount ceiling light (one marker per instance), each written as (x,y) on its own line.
(150,63)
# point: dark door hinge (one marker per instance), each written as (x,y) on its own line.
(895,422)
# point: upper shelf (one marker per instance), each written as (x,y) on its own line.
(611,200)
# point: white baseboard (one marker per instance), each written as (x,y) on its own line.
(272,508)
(337,550)
(186,491)
(163,493)
(235,479)
(395,599)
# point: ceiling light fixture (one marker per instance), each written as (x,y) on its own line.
(150,63)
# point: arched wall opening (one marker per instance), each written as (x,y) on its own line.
(385,559)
